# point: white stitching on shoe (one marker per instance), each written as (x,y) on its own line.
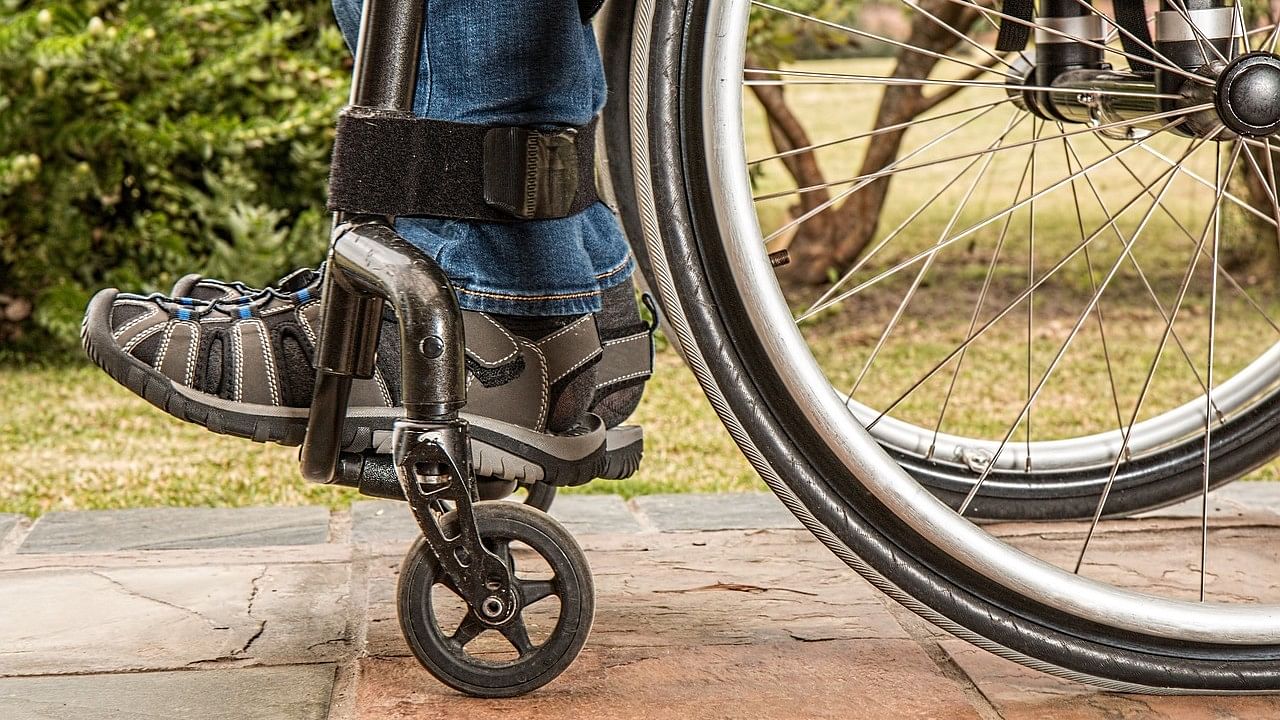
(625,339)
(270,361)
(149,314)
(515,345)
(306,324)
(565,329)
(191,354)
(382,385)
(237,363)
(620,378)
(136,339)
(164,346)
(577,365)
(546,389)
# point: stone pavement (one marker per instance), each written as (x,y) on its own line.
(708,606)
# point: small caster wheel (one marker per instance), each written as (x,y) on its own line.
(531,648)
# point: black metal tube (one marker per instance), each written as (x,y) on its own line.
(370,262)
(376,261)
(386,66)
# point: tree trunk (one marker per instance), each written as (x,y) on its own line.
(836,243)
(788,134)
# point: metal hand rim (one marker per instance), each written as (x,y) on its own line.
(859,452)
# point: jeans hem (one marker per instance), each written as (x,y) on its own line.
(543,305)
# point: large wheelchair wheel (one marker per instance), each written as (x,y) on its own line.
(948,425)
(763,352)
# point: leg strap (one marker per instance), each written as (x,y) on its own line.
(1013,36)
(388,163)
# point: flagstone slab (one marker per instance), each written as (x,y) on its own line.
(88,620)
(299,692)
(1237,499)
(176,528)
(7,525)
(724,511)
(849,680)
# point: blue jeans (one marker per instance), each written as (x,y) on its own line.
(513,62)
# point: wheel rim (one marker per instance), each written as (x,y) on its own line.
(788,352)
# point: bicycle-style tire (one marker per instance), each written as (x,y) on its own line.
(1143,482)
(846,489)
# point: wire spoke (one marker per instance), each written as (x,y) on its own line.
(1031,299)
(1016,119)
(1242,204)
(1231,278)
(1093,285)
(924,267)
(956,33)
(1155,363)
(977,309)
(1179,6)
(976,227)
(1162,60)
(877,131)
(1062,349)
(1180,114)
(1083,41)
(851,190)
(1267,179)
(1142,276)
(1208,426)
(837,78)
(973,337)
(880,38)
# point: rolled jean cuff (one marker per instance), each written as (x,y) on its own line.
(544,304)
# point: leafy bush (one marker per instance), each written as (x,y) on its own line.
(142,139)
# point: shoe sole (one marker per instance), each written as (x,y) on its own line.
(499,449)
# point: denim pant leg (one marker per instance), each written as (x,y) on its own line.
(513,62)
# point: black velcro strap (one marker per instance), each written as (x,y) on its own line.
(1013,36)
(1132,16)
(589,8)
(387,163)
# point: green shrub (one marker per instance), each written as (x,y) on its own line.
(143,139)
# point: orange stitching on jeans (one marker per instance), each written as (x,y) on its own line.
(529,298)
(616,269)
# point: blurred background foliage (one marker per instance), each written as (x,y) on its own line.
(145,139)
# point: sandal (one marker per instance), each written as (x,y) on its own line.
(243,367)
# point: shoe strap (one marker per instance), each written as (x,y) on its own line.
(570,348)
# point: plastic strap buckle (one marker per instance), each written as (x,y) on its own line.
(531,174)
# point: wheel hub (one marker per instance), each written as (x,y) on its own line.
(1248,95)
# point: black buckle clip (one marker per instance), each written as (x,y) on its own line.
(531,174)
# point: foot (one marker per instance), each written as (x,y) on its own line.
(627,341)
(245,368)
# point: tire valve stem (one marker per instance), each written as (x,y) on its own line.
(778,258)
